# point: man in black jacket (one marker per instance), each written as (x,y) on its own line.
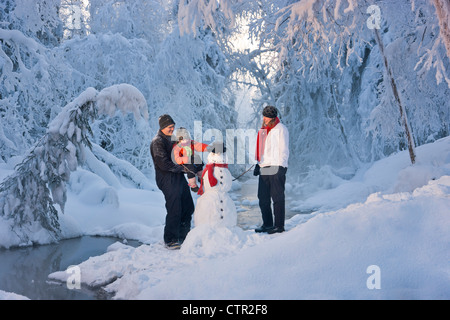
(171,181)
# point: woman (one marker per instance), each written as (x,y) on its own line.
(272,154)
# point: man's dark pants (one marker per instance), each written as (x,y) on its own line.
(179,206)
(271,187)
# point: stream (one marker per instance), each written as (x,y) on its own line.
(25,270)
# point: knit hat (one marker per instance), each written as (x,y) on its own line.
(165,120)
(183,134)
(270,112)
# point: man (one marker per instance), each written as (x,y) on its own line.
(272,153)
(171,181)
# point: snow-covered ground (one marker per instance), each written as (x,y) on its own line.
(382,235)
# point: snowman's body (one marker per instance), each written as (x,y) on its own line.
(215,216)
(215,207)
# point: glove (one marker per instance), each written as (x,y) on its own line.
(257,170)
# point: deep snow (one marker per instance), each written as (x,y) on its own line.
(391,215)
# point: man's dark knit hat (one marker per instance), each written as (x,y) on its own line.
(270,112)
(165,120)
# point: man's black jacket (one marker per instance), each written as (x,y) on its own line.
(161,151)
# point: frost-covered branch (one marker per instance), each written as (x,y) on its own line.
(318,29)
(443,14)
(28,196)
(117,168)
(193,14)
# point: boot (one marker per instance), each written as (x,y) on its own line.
(262,229)
(276,230)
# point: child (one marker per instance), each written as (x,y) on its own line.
(184,154)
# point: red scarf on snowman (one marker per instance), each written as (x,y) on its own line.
(261,140)
(212,180)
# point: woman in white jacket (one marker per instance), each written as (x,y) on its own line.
(272,154)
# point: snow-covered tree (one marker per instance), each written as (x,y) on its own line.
(329,81)
(34,84)
(37,19)
(443,14)
(204,14)
(316,60)
(120,43)
(181,75)
(137,19)
(27,197)
(106,59)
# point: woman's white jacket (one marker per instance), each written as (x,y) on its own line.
(276,148)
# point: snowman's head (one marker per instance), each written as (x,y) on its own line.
(217,158)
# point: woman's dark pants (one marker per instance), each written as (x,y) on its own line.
(271,187)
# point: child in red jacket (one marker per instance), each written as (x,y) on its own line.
(184,154)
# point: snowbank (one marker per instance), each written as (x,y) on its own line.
(96,208)
(391,242)
(11,296)
(389,175)
(406,236)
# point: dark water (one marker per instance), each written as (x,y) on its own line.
(25,270)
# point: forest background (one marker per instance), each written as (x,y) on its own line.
(220,62)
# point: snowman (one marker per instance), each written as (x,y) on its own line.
(215,216)
(215,206)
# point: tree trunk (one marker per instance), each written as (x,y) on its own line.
(403,116)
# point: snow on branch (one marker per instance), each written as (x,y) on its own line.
(27,197)
(193,14)
(443,14)
(123,97)
(309,11)
(432,56)
(318,29)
